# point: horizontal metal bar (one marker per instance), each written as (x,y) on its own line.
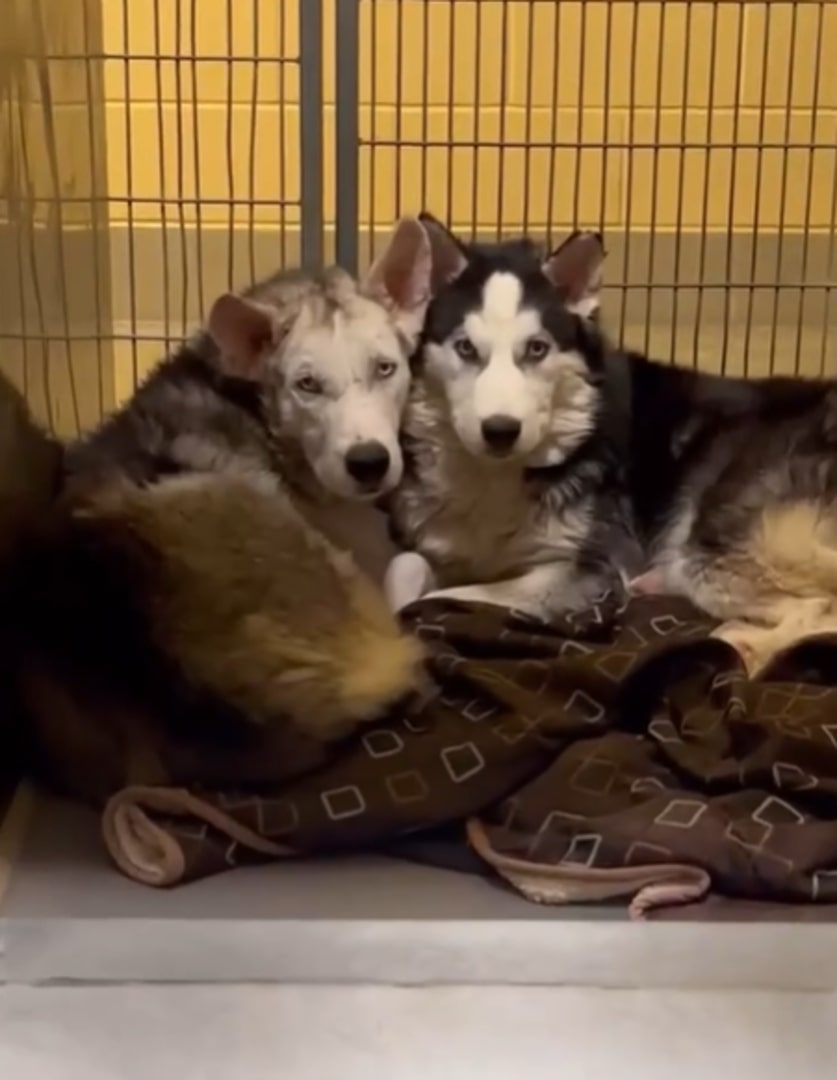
(173,58)
(147,200)
(574,144)
(639,3)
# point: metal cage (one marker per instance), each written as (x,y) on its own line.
(155,154)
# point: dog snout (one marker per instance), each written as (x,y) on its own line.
(368,462)
(500,433)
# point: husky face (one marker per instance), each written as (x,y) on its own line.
(332,360)
(506,348)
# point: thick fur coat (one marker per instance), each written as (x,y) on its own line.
(177,611)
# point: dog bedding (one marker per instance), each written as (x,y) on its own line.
(622,754)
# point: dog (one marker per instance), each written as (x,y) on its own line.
(536,478)
(515,434)
(192,581)
(734,485)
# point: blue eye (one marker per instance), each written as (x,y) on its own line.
(309,385)
(464,349)
(386,369)
(536,349)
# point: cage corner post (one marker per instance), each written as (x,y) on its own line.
(311,131)
(348,134)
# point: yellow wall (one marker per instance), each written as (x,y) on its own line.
(222,132)
(600,96)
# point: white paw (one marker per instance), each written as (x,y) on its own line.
(407,579)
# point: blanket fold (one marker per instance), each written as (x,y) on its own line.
(622,754)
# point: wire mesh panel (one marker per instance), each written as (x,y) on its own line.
(700,137)
(153,156)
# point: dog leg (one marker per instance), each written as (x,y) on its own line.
(407,579)
(545,591)
(794,620)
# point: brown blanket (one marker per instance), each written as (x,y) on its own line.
(624,754)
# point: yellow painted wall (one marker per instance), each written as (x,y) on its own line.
(194,144)
(600,94)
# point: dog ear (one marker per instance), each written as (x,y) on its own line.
(244,332)
(450,256)
(575,269)
(400,277)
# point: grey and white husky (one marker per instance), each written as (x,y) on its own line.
(193,581)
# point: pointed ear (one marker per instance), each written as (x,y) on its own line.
(244,332)
(400,277)
(575,269)
(450,256)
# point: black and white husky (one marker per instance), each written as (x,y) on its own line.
(516,433)
(545,464)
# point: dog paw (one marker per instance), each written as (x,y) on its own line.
(407,579)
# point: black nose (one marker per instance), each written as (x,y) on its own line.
(367,462)
(500,432)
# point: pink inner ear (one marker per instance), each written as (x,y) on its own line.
(402,274)
(243,330)
(574,267)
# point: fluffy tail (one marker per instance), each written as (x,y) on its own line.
(259,608)
(797,548)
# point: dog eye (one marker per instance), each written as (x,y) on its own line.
(309,385)
(536,349)
(385,369)
(464,349)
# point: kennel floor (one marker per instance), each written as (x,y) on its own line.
(67,915)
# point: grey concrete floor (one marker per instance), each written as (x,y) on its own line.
(343,1033)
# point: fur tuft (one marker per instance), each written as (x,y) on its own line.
(260,609)
(795,546)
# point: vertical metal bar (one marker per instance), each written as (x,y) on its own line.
(655,177)
(230,119)
(95,199)
(527,138)
(451,109)
(399,78)
(373,124)
(181,152)
(809,188)
(707,175)
(311,123)
(129,182)
(736,121)
(606,117)
(161,150)
(580,119)
(830,270)
(425,102)
(254,123)
(51,140)
(783,188)
(196,155)
(475,186)
(553,150)
(501,155)
(757,201)
(282,163)
(681,177)
(629,168)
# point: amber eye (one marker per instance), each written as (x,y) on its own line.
(464,349)
(386,369)
(536,349)
(309,385)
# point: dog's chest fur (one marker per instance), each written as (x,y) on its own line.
(475,521)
